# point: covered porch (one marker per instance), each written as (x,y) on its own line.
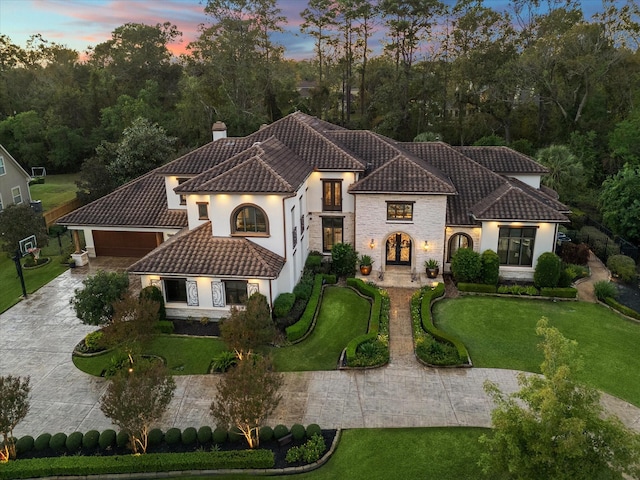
(399,276)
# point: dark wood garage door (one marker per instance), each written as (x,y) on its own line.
(123,244)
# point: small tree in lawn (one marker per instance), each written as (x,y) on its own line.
(245,330)
(554,427)
(247,395)
(18,222)
(137,398)
(94,303)
(14,406)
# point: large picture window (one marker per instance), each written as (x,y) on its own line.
(332,195)
(331,232)
(175,289)
(235,292)
(515,246)
(248,219)
(400,211)
(458,241)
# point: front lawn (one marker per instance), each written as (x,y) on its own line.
(500,333)
(183,355)
(56,190)
(343,316)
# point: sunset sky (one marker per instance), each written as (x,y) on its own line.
(78,24)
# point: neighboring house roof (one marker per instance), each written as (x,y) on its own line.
(139,203)
(510,203)
(15,162)
(198,252)
(503,160)
(265,167)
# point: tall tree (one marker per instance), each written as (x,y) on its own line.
(14,406)
(554,427)
(566,173)
(250,328)
(620,202)
(18,222)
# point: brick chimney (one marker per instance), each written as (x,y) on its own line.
(219,130)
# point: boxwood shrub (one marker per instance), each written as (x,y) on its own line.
(220,435)
(189,436)
(155,437)
(58,442)
(122,439)
(559,292)
(490,267)
(173,436)
(283,304)
(298,431)
(107,439)
(265,433)
(466,265)
(24,444)
(476,287)
(74,442)
(547,271)
(622,266)
(42,442)
(90,439)
(205,434)
(235,435)
(301,327)
(313,429)
(280,431)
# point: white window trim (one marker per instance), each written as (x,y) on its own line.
(4,166)
(14,195)
(1,203)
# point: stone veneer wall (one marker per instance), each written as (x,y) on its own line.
(315,228)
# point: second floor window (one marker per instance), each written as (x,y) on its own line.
(248,219)
(203,211)
(332,195)
(183,198)
(400,211)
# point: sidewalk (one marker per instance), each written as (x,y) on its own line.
(599,272)
(37,336)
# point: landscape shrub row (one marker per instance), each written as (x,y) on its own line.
(299,329)
(556,292)
(151,462)
(629,312)
(426,322)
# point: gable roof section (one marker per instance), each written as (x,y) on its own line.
(403,175)
(510,203)
(197,252)
(139,203)
(545,195)
(4,151)
(503,160)
(266,167)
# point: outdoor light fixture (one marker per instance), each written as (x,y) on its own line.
(372,244)
(425,247)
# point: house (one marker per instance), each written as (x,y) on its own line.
(14,181)
(240,215)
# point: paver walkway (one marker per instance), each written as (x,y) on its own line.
(38,334)
(599,272)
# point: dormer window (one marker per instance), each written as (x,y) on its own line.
(249,220)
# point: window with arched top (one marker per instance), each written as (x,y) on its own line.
(249,220)
(458,241)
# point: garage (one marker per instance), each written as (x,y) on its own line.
(124,244)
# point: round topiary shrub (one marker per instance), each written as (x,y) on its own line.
(490,267)
(173,436)
(122,439)
(74,442)
(265,433)
(235,435)
(622,267)
(107,439)
(58,442)
(155,437)
(204,434)
(547,272)
(189,436)
(91,439)
(219,435)
(42,442)
(466,265)
(313,429)
(298,431)
(24,444)
(280,431)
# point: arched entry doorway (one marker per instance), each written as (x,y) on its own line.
(398,249)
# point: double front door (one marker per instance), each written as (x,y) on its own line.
(398,249)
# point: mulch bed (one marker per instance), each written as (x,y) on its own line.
(279,452)
(195,327)
(629,295)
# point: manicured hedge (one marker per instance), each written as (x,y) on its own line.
(301,327)
(152,462)
(568,292)
(477,287)
(429,327)
(629,312)
(283,304)
(374,318)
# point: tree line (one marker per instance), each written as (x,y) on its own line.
(534,74)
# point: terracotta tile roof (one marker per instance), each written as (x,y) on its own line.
(139,203)
(205,157)
(266,167)
(510,203)
(503,160)
(403,174)
(198,252)
(544,194)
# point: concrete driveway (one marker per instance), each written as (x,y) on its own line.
(38,334)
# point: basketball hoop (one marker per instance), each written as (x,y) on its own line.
(35,252)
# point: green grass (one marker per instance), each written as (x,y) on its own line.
(500,333)
(343,315)
(57,190)
(11,291)
(373,453)
(183,355)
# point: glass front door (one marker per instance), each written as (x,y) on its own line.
(398,249)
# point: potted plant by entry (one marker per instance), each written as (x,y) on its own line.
(365,262)
(432,267)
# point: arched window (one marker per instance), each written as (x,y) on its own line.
(457,241)
(249,219)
